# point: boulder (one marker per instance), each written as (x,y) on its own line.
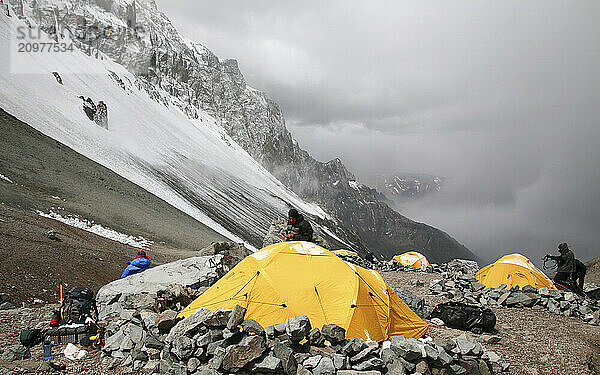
(165,321)
(251,326)
(316,338)
(416,304)
(218,319)
(297,328)
(249,349)
(325,367)
(286,355)
(333,333)
(268,364)
(140,290)
(190,325)
(236,318)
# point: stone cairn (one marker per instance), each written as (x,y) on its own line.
(224,342)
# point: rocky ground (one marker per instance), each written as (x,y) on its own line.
(533,341)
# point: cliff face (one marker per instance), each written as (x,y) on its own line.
(144,41)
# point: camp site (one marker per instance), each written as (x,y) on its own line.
(351,187)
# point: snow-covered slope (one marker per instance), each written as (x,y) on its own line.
(191,163)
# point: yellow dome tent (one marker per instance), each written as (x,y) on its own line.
(413,259)
(348,253)
(292,278)
(512,270)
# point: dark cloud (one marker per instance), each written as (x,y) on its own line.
(501,98)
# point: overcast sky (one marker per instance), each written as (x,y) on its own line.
(503,98)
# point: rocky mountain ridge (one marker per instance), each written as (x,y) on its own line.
(135,34)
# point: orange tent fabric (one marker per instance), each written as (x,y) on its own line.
(292,278)
(513,270)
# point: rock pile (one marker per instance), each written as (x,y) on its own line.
(466,289)
(224,342)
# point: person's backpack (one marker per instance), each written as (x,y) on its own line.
(465,317)
(78,304)
(31,337)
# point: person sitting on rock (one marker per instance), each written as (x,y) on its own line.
(299,229)
(579,274)
(566,264)
(138,264)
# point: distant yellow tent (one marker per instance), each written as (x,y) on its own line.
(513,270)
(347,253)
(413,259)
(292,278)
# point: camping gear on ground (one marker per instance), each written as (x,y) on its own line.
(47,350)
(412,259)
(55,320)
(513,270)
(465,317)
(31,337)
(71,333)
(292,278)
(78,304)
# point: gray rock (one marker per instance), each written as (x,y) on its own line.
(148,319)
(353,346)
(519,299)
(465,344)
(216,361)
(236,318)
(268,364)
(183,347)
(340,361)
(316,338)
(409,349)
(165,321)
(503,298)
(529,289)
(203,340)
(249,349)
(251,326)
(354,372)
(218,319)
(363,354)
(190,325)
(422,368)
(325,367)
(138,291)
(432,352)
(286,355)
(416,304)
(370,363)
(297,327)
(193,365)
(333,333)
(153,343)
(312,361)
(301,370)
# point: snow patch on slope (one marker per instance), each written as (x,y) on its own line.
(90,226)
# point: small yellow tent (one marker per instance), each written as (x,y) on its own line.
(413,259)
(348,253)
(292,278)
(512,270)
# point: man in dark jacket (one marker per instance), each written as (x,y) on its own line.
(566,264)
(579,274)
(299,229)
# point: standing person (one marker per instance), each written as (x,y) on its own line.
(138,264)
(299,229)
(579,274)
(566,264)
